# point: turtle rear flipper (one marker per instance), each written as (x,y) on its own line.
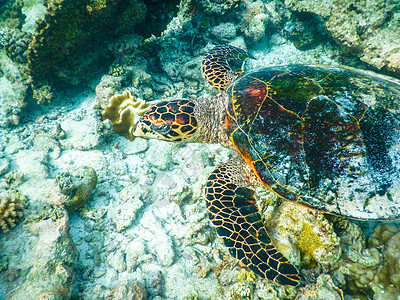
(232,210)
(223,64)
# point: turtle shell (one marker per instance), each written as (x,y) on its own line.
(326,137)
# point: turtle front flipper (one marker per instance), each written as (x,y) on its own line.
(223,64)
(232,210)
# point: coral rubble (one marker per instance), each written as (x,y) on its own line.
(77,185)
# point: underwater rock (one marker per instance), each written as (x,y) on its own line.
(125,290)
(125,45)
(77,185)
(11,15)
(164,154)
(129,290)
(46,143)
(217,7)
(323,289)
(126,213)
(57,293)
(155,284)
(107,87)
(224,32)
(52,262)
(139,146)
(124,111)
(83,130)
(256,19)
(158,241)
(33,11)
(382,274)
(16,44)
(261,19)
(4,165)
(116,260)
(11,205)
(13,88)
(305,32)
(369,29)
(135,254)
(297,228)
(372,270)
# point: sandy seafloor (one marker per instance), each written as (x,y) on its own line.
(145,225)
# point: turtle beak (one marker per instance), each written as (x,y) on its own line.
(141,130)
(144,129)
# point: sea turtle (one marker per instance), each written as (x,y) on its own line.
(327,137)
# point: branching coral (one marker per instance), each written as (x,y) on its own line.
(11,204)
(124,111)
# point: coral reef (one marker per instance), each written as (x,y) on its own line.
(124,111)
(16,44)
(218,7)
(377,272)
(81,49)
(48,274)
(368,29)
(77,185)
(14,87)
(323,289)
(309,231)
(129,289)
(106,88)
(78,57)
(11,205)
(146,233)
(11,15)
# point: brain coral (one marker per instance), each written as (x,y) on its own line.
(375,270)
(11,204)
(16,44)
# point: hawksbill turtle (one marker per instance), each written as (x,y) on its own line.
(327,137)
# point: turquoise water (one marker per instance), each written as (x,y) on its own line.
(87,213)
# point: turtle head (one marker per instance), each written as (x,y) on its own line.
(168,121)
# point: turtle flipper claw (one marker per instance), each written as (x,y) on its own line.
(234,214)
(223,64)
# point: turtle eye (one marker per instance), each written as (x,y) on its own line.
(161,128)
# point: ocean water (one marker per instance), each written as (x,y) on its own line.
(88,211)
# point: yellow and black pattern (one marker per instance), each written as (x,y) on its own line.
(172,121)
(223,64)
(234,214)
